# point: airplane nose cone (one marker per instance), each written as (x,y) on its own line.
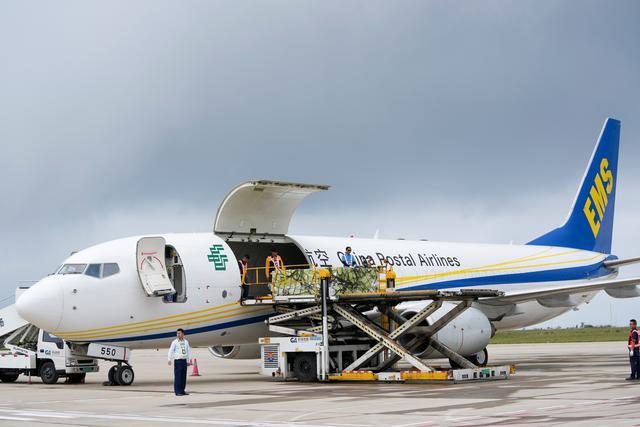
(42,305)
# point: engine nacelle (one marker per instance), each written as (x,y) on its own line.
(245,351)
(467,334)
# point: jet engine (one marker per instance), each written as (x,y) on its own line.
(245,351)
(468,334)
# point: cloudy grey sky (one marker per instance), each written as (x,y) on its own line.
(465,121)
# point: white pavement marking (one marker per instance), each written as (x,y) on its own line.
(2,417)
(43,414)
(512,412)
(417,424)
(351,425)
(87,400)
(596,402)
(126,417)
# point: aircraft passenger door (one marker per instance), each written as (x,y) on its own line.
(151,266)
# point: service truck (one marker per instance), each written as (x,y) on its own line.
(34,352)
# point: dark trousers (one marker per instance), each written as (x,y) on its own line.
(634,361)
(179,375)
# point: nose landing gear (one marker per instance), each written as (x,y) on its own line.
(120,374)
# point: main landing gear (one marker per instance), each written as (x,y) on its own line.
(479,359)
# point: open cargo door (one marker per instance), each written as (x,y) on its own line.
(261,207)
(151,266)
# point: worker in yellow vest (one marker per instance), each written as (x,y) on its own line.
(273,265)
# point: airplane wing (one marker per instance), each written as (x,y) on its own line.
(620,288)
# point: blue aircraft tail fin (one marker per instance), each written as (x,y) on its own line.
(589,225)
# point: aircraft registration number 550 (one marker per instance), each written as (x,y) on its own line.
(110,352)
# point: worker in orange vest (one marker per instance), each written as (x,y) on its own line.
(243,265)
(273,264)
(633,343)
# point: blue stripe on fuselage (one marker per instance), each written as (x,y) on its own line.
(200,330)
(557,275)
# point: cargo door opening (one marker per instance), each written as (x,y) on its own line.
(256,284)
(292,258)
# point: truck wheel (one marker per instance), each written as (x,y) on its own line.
(124,375)
(304,367)
(111,376)
(480,359)
(9,377)
(48,373)
(76,378)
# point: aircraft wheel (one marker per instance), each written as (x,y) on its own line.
(480,359)
(124,375)
(304,367)
(111,376)
(9,377)
(48,373)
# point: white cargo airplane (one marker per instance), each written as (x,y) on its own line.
(136,291)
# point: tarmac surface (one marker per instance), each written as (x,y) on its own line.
(579,384)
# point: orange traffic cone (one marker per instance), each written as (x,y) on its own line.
(195,372)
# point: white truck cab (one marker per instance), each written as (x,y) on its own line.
(34,352)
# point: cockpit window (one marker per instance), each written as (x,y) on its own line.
(93,270)
(102,270)
(109,269)
(72,269)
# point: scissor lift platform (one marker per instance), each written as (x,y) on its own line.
(389,296)
(359,336)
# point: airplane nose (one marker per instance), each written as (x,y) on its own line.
(42,305)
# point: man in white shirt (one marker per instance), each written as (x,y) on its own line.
(180,352)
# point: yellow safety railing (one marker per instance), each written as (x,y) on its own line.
(258,275)
(304,279)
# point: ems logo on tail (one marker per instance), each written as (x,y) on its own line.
(598,197)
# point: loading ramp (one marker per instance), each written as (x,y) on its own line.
(352,335)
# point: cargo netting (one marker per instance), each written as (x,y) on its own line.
(343,281)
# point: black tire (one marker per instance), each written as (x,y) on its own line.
(48,373)
(111,376)
(125,375)
(480,359)
(305,366)
(76,378)
(9,377)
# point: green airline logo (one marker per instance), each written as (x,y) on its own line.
(218,259)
